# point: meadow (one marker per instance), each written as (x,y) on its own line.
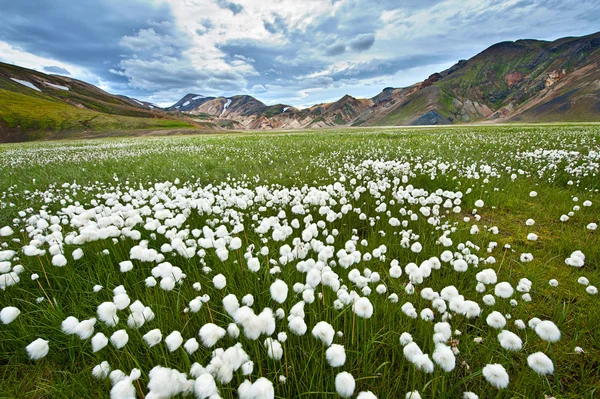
(450,262)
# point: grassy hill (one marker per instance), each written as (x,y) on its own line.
(27,113)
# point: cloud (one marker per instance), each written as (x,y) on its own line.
(335,49)
(362,42)
(56,69)
(282,51)
(233,7)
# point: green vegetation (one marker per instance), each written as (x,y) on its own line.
(478,161)
(43,117)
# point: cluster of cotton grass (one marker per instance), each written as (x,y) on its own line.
(301,258)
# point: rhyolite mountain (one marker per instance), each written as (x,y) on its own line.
(520,81)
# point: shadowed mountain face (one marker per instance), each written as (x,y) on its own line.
(522,81)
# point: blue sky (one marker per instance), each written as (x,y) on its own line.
(280,51)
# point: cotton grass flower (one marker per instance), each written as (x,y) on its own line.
(206,387)
(99,342)
(279,291)
(444,357)
(101,370)
(119,339)
(324,332)
(336,355)
(496,375)
(510,341)
(345,384)
(191,346)
(173,341)
(540,363)
(37,349)
(85,329)
(107,313)
(547,331)
(262,388)
(496,320)
(503,290)
(366,395)
(413,395)
(211,333)
(219,281)
(153,337)
(363,308)
(9,314)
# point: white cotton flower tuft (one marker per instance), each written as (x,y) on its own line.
(119,339)
(101,371)
(262,388)
(496,375)
(547,331)
(253,265)
(274,348)
(279,291)
(540,363)
(99,341)
(219,281)
(363,308)
(173,341)
(470,395)
(324,332)
(336,355)
(297,325)
(191,346)
(37,349)
(59,260)
(125,266)
(85,329)
(69,325)
(107,313)
(591,289)
(503,290)
(479,203)
(413,395)
(444,357)
(211,333)
(366,395)
(576,259)
(206,387)
(345,384)
(496,320)
(9,314)
(153,337)
(510,341)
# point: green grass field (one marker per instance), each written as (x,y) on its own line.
(373,193)
(43,118)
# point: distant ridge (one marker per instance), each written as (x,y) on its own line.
(522,81)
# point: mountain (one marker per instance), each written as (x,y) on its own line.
(35,105)
(521,81)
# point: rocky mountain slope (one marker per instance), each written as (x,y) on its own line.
(526,80)
(521,81)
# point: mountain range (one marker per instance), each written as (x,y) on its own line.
(520,81)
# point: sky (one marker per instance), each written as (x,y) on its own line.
(295,52)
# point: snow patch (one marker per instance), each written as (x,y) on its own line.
(25,83)
(285,109)
(185,104)
(59,87)
(139,102)
(227,104)
(198,97)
